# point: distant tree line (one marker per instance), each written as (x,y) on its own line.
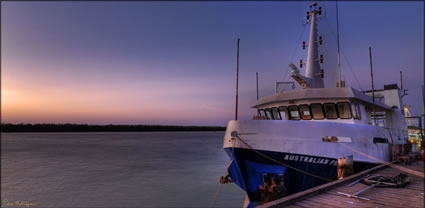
(7,127)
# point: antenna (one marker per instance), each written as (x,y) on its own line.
(401,85)
(237,80)
(339,81)
(373,89)
(257,83)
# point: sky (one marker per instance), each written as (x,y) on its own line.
(175,62)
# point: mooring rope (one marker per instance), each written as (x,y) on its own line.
(278,162)
(220,186)
(407,170)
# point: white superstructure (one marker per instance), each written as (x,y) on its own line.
(298,121)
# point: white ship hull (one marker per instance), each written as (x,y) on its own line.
(306,137)
(295,155)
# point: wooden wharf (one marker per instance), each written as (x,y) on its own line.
(326,195)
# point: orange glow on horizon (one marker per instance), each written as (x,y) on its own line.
(47,105)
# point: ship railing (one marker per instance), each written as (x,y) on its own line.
(284,86)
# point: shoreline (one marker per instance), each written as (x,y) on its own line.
(46,128)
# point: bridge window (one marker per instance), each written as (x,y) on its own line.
(294,113)
(355,110)
(305,112)
(262,113)
(276,114)
(344,111)
(283,113)
(359,112)
(380,118)
(330,111)
(317,111)
(269,114)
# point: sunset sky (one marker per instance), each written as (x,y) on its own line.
(174,62)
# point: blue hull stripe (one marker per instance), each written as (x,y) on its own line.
(235,174)
(254,173)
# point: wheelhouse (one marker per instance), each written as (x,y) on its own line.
(313,111)
(325,104)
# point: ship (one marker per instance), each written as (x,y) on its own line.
(306,137)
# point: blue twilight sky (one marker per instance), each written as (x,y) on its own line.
(174,62)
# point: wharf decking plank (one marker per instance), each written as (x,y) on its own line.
(390,193)
(321,202)
(378,200)
(311,204)
(296,205)
(361,201)
(339,200)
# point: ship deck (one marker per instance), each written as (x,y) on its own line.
(412,195)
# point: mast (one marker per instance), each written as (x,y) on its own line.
(237,81)
(339,82)
(257,83)
(313,77)
(312,64)
(423,115)
(373,89)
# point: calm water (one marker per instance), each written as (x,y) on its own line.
(172,169)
